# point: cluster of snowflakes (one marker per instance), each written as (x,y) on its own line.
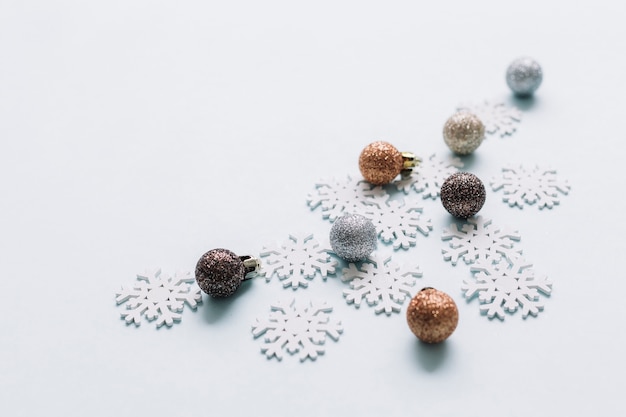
(380,282)
(501,279)
(398,221)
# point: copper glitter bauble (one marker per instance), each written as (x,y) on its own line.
(463,132)
(220,272)
(432,315)
(380,162)
(463,194)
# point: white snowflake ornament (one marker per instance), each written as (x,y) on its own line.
(506,286)
(497,117)
(158,297)
(381,282)
(478,240)
(398,223)
(338,196)
(428,176)
(297,261)
(296,330)
(535,186)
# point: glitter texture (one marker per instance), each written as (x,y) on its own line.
(524,76)
(353,237)
(432,315)
(380,163)
(463,194)
(219,272)
(463,132)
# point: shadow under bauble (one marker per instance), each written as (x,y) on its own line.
(431,356)
(214,308)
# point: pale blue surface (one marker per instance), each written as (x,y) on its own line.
(143,133)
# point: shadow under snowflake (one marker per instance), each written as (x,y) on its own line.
(296,330)
(536,186)
(381,282)
(507,286)
(479,241)
(297,261)
(157,297)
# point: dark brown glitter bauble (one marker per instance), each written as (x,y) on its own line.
(380,162)
(219,272)
(432,315)
(463,194)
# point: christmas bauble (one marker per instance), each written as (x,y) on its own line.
(432,315)
(463,132)
(463,194)
(220,272)
(524,76)
(380,162)
(353,237)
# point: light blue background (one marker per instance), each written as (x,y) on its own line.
(143,133)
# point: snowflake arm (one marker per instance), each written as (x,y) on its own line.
(428,176)
(479,241)
(297,261)
(335,197)
(381,283)
(497,117)
(295,330)
(398,223)
(158,298)
(539,186)
(505,287)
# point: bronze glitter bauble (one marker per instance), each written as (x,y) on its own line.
(463,194)
(463,133)
(432,315)
(219,272)
(380,162)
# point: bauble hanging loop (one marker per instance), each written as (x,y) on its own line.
(220,272)
(380,162)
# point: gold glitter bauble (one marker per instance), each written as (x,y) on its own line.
(463,133)
(432,315)
(380,163)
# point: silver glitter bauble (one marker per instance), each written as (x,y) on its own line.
(463,194)
(524,76)
(463,132)
(353,237)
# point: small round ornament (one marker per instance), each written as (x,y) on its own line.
(353,237)
(524,76)
(463,132)
(380,162)
(220,272)
(432,315)
(463,194)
